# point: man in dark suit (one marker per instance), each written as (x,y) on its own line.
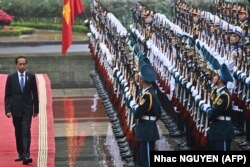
(21,103)
(146,113)
(220,133)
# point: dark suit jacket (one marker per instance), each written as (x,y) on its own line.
(17,101)
(146,130)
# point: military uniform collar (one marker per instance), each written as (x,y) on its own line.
(235,47)
(213,86)
(219,89)
(145,90)
(244,22)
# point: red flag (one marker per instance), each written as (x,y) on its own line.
(71,8)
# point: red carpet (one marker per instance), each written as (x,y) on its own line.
(42,142)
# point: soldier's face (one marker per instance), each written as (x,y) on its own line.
(242,16)
(248,49)
(215,79)
(136,77)
(141,83)
(234,38)
(212,29)
(173,41)
(226,38)
(209,74)
(201,64)
(195,19)
(217,31)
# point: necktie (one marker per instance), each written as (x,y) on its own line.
(22,82)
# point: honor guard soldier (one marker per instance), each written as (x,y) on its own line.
(146,113)
(220,133)
(195,19)
(245,96)
(243,20)
(235,60)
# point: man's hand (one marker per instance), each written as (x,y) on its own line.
(35,114)
(8,114)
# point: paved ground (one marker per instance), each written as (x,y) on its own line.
(82,129)
(77,128)
(42,49)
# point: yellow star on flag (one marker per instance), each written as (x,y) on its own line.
(67,12)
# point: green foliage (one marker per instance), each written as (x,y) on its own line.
(78,28)
(44,25)
(38,25)
(16,31)
(52,9)
(122,9)
(40,11)
(32,8)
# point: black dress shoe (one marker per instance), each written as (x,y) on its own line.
(238,132)
(185,148)
(26,161)
(244,144)
(246,148)
(183,144)
(19,158)
(175,134)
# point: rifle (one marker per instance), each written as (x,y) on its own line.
(206,117)
(194,106)
(245,91)
(198,110)
(229,43)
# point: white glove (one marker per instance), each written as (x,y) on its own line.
(127,95)
(89,34)
(183,81)
(206,107)
(234,69)
(194,92)
(149,44)
(197,97)
(132,104)
(115,69)
(242,75)
(118,74)
(126,89)
(125,84)
(201,103)
(176,74)
(192,88)
(121,77)
(173,70)
(247,80)
(188,85)
(238,72)
(122,81)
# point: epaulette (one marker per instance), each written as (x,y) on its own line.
(223,92)
(150,100)
(228,96)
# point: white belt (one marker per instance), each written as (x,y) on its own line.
(223,118)
(150,118)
